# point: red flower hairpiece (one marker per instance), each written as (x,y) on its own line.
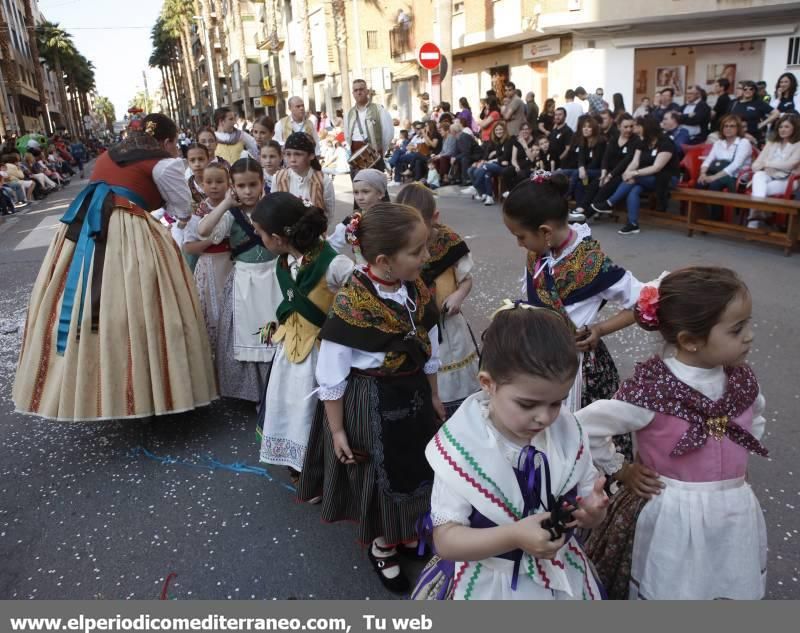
(647,307)
(540,176)
(352,229)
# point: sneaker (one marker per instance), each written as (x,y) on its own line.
(755,224)
(469,191)
(479,197)
(21,205)
(505,194)
(602,207)
(629,229)
(574,216)
(488,201)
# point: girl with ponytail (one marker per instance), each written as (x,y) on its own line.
(309,273)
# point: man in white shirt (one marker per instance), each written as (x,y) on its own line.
(367,123)
(297,121)
(573,109)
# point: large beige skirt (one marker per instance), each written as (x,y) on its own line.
(150,354)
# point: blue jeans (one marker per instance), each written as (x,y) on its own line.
(632,194)
(482,177)
(579,189)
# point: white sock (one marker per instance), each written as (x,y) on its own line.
(391,572)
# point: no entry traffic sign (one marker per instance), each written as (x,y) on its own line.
(429,56)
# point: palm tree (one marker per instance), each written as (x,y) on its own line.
(339,9)
(308,66)
(104,107)
(175,14)
(163,57)
(10,72)
(56,46)
(37,66)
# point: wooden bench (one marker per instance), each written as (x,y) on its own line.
(695,216)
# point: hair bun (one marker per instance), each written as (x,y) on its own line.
(560,183)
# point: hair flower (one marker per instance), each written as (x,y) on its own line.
(150,128)
(540,176)
(647,306)
(351,231)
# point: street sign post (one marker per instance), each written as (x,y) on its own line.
(429,57)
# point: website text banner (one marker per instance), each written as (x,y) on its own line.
(400,616)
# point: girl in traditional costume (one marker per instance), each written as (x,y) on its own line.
(263,131)
(377,375)
(271,155)
(448,273)
(369,188)
(213,259)
(206,136)
(303,175)
(506,461)
(569,272)
(251,295)
(309,273)
(232,144)
(114,328)
(198,157)
(696,415)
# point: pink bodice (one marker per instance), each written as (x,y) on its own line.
(716,460)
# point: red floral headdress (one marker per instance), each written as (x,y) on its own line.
(351,231)
(646,309)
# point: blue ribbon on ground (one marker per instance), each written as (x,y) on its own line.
(210,463)
(96,192)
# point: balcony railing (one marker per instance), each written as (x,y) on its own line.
(401,41)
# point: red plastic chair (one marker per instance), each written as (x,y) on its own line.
(693,156)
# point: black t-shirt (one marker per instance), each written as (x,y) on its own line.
(786,104)
(592,157)
(648,154)
(752,113)
(617,158)
(570,161)
(522,156)
(547,119)
(559,139)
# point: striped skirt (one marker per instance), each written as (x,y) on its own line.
(149,352)
(392,420)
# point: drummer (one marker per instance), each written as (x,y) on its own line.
(367,123)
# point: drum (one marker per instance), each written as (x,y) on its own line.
(364,158)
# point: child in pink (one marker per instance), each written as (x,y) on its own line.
(696,417)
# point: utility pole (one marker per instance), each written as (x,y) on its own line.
(146,94)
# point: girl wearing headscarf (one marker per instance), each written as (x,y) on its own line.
(369,188)
(303,175)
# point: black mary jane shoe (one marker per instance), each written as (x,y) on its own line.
(398,584)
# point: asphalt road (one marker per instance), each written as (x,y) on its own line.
(86,513)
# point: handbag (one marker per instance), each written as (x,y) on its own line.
(717,166)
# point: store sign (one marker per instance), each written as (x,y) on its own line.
(542,48)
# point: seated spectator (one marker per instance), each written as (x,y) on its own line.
(666,104)
(677,134)
(645,107)
(608,125)
(491,115)
(467,152)
(547,116)
(496,163)
(591,147)
(695,116)
(15,178)
(655,155)
(560,135)
(546,160)
(618,155)
(774,165)
(728,157)
(752,110)
(524,155)
(400,148)
(723,104)
(441,161)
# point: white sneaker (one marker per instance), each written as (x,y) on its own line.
(479,197)
(469,191)
(754,224)
(488,201)
(505,194)
(574,216)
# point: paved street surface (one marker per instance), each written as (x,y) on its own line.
(85,513)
